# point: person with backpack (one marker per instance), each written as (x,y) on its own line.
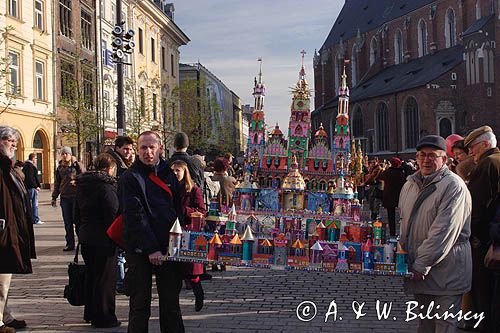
(64,186)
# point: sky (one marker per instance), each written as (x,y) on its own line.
(228,36)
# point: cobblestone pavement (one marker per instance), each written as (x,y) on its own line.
(238,300)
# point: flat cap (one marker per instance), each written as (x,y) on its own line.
(434,141)
(475,134)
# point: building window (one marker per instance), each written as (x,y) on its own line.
(172,63)
(106,105)
(88,89)
(163,58)
(39,22)
(491,67)
(141,46)
(488,65)
(478,10)
(86,25)
(153,50)
(470,63)
(422,38)
(445,128)
(40,80)
(382,121)
(67,81)
(373,51)
(450,30)
(354,65)
(357,123)
(113,13)
(14,73)
(155,111)
(65,18)
(411,123)
(398,47)
(142,97)
(14,8)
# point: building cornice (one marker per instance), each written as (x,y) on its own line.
(164,22)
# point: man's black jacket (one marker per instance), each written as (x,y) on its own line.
(31,175)
(148,211)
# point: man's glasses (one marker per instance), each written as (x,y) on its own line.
(431,156)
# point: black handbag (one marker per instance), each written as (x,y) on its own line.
(74,291)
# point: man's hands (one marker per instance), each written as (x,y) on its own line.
(54,203)
(417,276)
(156,258)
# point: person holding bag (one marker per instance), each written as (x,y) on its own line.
(96,206)
(192,201)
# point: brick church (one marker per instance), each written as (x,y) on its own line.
(415,68)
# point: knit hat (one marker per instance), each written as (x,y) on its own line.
(395,162)
(66,150)
(181,140)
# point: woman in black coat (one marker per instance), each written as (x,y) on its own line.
(96,206)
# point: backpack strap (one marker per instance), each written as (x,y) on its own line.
(155,179)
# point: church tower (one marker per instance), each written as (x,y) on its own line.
(257,130)
(341,145)
(299,128)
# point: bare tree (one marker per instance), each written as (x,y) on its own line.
(80,119)
(7,90)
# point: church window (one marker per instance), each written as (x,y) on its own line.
(450,28)
(373,51)
(398,47)
(411,120)
(422,38)
(382,127)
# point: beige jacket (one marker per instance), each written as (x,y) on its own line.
(436,235)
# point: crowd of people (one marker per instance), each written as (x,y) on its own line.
(448,199)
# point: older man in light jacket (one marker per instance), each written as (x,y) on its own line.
(435,228)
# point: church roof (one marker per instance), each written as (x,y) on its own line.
(404,76)
(476,26)
(368,15)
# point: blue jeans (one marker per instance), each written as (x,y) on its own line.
(34,204)
(67,204)
(121,270)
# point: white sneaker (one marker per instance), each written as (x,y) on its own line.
(40,222)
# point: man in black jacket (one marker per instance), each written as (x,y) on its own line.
(32,184)
(122,154)
(149,211)
(181,144)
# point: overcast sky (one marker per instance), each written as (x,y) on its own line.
(228,36)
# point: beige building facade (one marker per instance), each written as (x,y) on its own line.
(151,78)
(26,95)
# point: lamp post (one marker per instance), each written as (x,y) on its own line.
(122,44)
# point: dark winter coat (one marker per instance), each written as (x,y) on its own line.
(121,166)
(193,164)
(191,202)
(64,176)
(30,175)
(17,240)
(96,207)
(394,179)
(484,186)
(148,211)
